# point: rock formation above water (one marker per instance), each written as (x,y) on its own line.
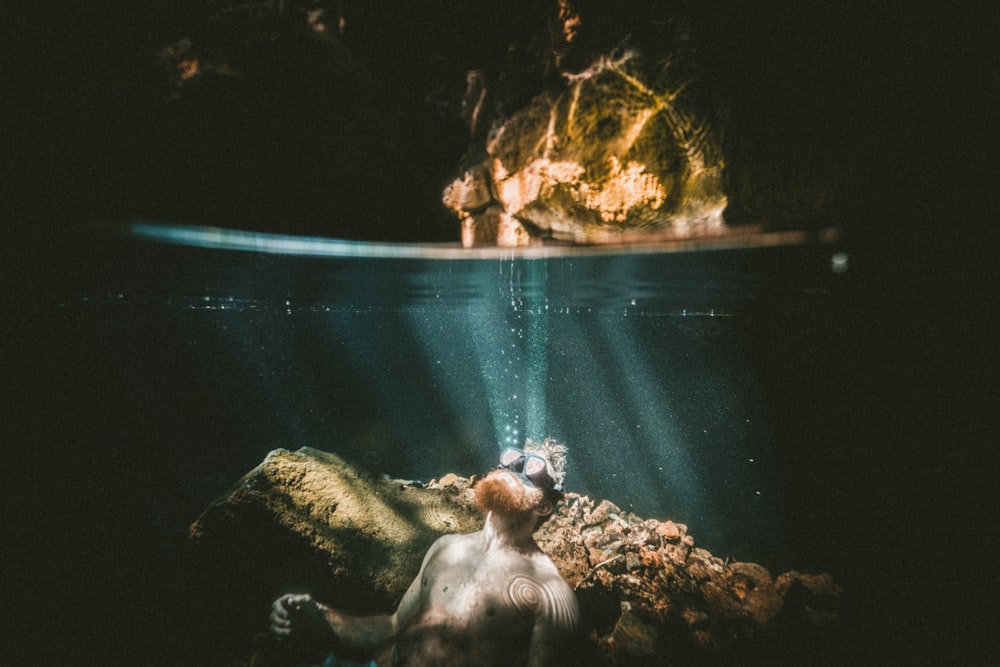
(573,120)
(307,520)
(612,157)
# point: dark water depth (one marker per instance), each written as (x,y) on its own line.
(731,390)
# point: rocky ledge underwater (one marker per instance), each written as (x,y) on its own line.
(307,520)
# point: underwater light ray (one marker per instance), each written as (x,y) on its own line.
(384,350)
(506,351)
(536,407)
(656,438)
(584,409)
(536,333)
(501,368)
(451,359)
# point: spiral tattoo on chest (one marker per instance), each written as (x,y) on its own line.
(523,593)
(528,596)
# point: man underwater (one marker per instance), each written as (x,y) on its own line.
(486,598)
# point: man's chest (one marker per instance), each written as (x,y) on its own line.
(489,589)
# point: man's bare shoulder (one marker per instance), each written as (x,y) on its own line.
(455,540)
(455,545)
(544,567)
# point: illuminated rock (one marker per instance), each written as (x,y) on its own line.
(307,520)
(362,538)
(611,158)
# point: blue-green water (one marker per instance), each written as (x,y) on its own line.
(714,387)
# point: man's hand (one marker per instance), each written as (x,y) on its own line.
(297,616)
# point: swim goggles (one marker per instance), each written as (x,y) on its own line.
(530,466)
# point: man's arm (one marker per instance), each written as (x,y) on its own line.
(297,615)
(367,634)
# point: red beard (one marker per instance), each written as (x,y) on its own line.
(494,494)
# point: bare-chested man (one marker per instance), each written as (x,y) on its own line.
(486,598)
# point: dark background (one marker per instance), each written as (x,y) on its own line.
(880,113)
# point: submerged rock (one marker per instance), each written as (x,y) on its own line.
(366,535)
(307,518)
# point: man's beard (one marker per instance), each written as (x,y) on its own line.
(494,494)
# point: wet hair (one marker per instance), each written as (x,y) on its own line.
(552,451)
